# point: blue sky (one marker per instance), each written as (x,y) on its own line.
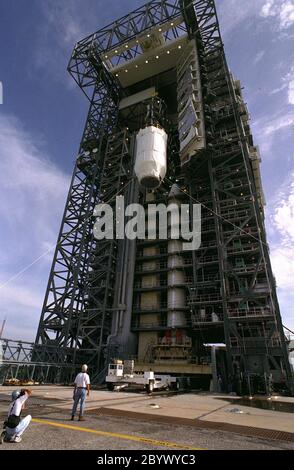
(42,118)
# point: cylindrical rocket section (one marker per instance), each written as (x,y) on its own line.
(149,299)
(176,296)
(151,151)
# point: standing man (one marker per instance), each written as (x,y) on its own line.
(82,389)
(15,426)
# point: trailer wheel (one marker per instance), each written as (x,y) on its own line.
(175,385)
(110,386)
(150,387)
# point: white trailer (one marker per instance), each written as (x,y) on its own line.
(119,375)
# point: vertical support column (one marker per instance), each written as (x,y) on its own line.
(149,300)
(176,296)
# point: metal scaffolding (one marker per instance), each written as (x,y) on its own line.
(229,285)
(19,361)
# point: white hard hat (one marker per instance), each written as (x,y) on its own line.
(84,367)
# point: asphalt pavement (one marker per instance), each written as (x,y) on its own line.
(51,428)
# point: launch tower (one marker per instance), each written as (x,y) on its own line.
(166,123)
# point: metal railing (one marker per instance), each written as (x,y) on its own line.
(252,312)
(208,317)
(195,320)
(253,343)
(151,267)
(195,298)
(150,307)
(21,360)
(235,214)
(243,248)
(150,283)
(248,268)
(208,259)
(157,283)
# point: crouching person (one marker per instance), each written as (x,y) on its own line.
(15,426)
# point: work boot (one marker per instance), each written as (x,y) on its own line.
(81,418)
(2,437)
(72,418)
(9,438)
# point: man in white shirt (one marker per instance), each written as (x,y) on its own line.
(82,389)
(15,426)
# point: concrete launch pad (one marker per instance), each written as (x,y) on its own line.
(134,420)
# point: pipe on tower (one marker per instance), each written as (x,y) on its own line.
(176,295)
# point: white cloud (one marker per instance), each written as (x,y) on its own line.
(282,10)
(266,128)
(32,199)
(258,57)
(278,90)
(283,267)
(64,24)
(277,123)
(23,297)
(32,186)
(268,9)
(291,92)
(281,223)
(233,13)
(69,20)
(283,216)
(287,82)
(287,14)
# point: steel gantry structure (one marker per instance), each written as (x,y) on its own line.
(115,297)
(20,363)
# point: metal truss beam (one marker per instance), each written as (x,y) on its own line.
(95,321)
(246,215)
(65,296)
